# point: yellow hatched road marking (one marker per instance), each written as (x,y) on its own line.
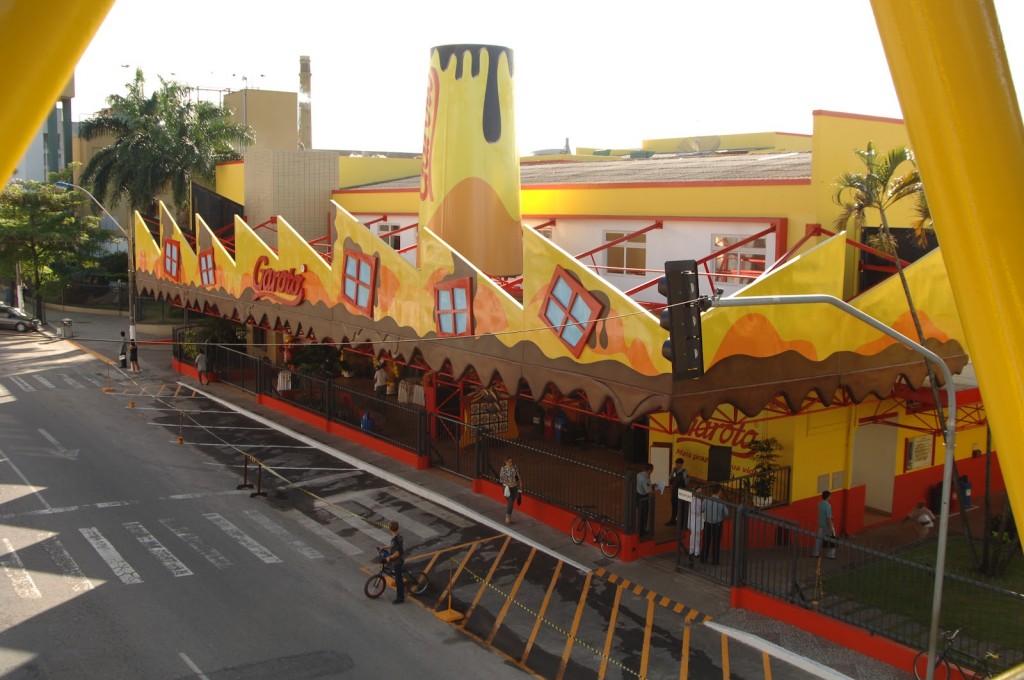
(584,591)
(645,653)
(540,614)
(487,580)
(611,634)
(684,666)
(455,577)
(511,596)
(767,666)
(725,657)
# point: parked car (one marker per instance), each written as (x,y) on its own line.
(12,318)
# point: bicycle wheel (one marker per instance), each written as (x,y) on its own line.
(417,583)
(578,530)
(609,541)
(921,667)
(375,586)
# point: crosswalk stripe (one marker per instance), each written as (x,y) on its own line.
(19,577)
(71,382)
(380,536)
(329,536)
(192,540)
(246,541)
(95,381)
(109,554)
(282,533)
(364,498)
(44,382)
(157,549)
(431,508)
(66,564)
(24,385)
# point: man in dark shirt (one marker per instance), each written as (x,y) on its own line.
(396,558)
(677,479)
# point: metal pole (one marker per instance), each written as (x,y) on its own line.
(947,470)
(130,235)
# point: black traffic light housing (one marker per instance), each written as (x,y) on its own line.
(682,319)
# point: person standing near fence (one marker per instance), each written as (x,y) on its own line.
(513,483)
(715,512)
(826,528)
(380,381)
(677,479)
(696,524)
(644,489)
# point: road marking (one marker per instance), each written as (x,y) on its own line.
(485,583)
(205,494)
(540,614)
(285,535)
(30,485)
(243,539)
(44,382)
(157,549)
(68,380)
(70,454)
(430,508)
(319,481)
(611,634)
(95,381)
(192,540)
(725,657)
(191,666)
(379,535)
(246,446)
(570,638)
(25,386)
(109,553)
(364,498)
(19,577)
(69,569)
(329,536)
(511,597)
(684,666)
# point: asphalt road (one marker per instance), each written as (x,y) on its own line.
(124,554)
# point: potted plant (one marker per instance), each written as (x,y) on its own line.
(764,453)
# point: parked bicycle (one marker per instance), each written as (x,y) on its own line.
(949,658)
(415,581)
(596,525)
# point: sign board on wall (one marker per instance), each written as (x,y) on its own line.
(919,453)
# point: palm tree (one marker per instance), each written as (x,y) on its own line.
(161,142)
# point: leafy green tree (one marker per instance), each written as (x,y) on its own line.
(42,227)
(162,142)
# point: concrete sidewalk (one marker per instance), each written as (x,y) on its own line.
(100,336)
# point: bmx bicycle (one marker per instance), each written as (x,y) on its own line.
(949,657)
(596,525)
(416,582)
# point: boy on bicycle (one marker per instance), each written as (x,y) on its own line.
(396,558)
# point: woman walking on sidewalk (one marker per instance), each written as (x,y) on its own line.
(509,477)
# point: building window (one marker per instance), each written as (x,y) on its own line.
(384,229)
(360,277)
(207,271)
(628,257)
(570,310)
(739,266)
(172,258)
(453,307)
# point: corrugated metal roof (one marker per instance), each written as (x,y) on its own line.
(794,165)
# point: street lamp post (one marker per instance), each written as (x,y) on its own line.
(131,253)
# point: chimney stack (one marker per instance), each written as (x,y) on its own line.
(305,106)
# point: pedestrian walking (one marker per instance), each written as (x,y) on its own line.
(715,512)
(396,558)
(644,489)
(513,483)
(122,357)
(380,381)
(202,367)
(677,479)
(922,517)
(133,357)
(826,528)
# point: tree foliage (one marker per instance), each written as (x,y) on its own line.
(163,141)
(42,226)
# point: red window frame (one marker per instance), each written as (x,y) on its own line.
(577,292)
(172,259)
(465,284)
(361,259)
(207,271)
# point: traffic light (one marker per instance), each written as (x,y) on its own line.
(682,319)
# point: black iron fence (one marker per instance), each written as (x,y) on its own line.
(885,593)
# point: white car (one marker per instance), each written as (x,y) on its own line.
(12,318)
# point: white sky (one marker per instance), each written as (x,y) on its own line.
(602,74)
